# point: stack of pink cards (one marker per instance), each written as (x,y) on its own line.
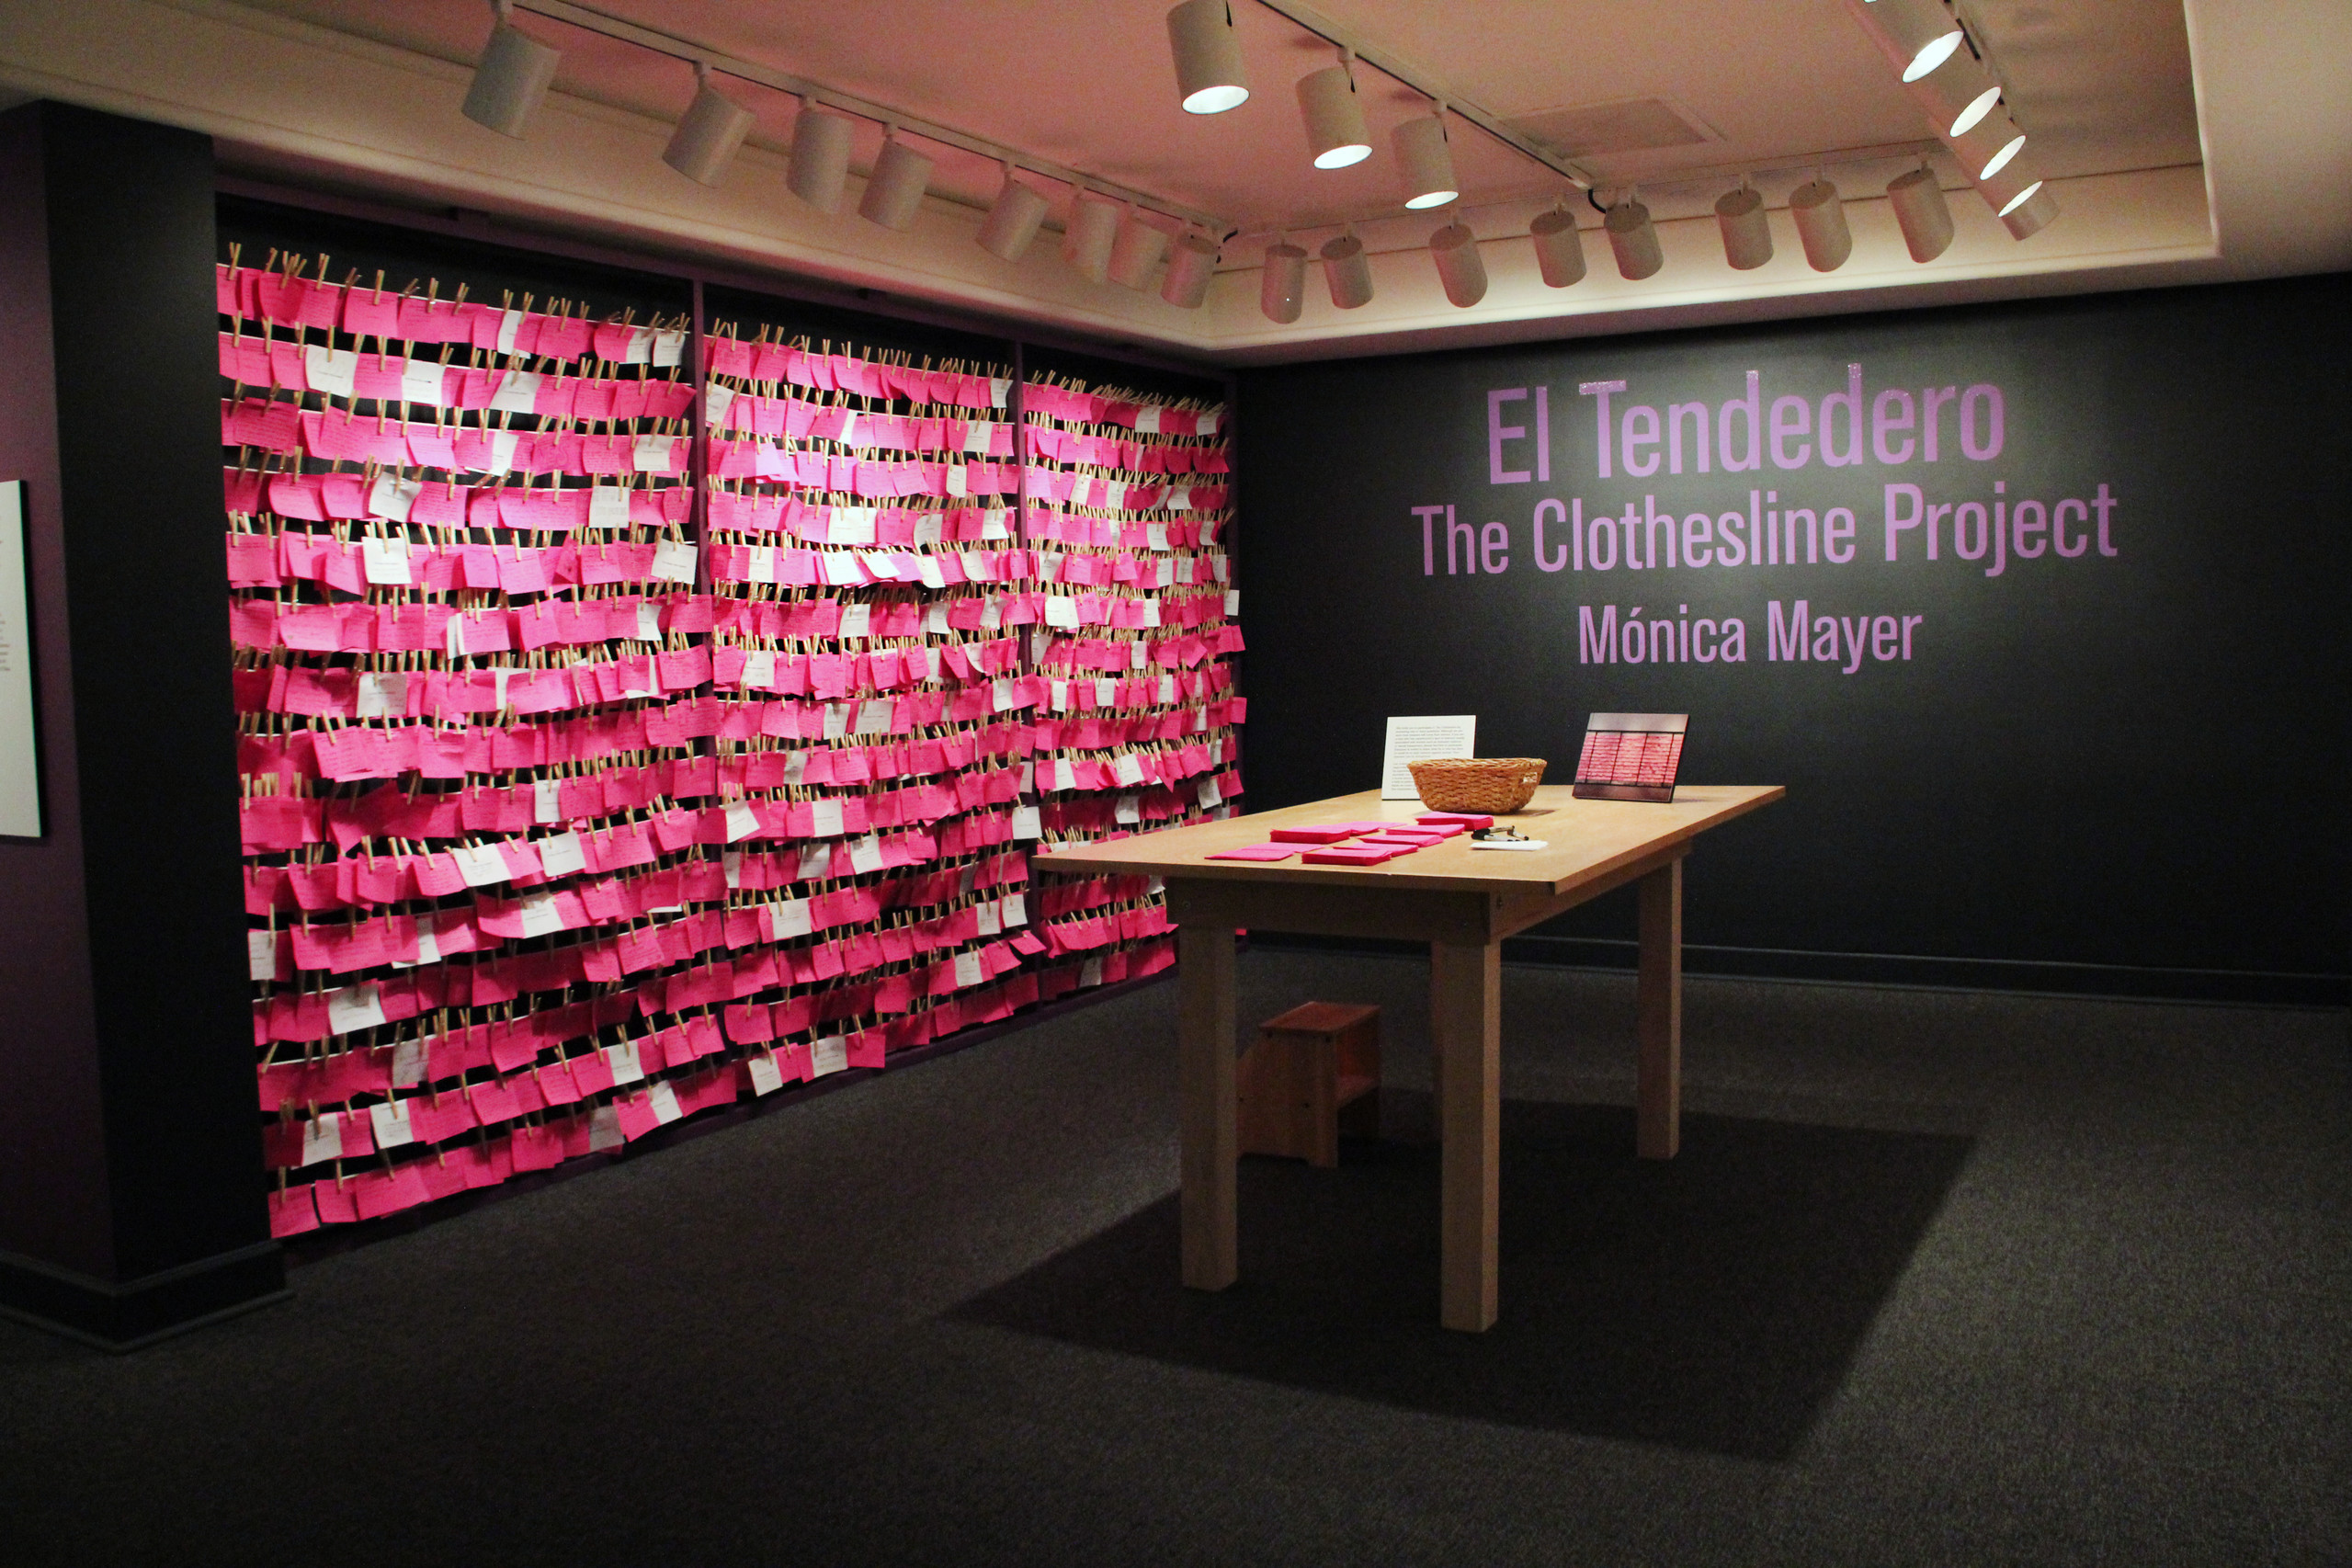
(1462,820)
(1349,855)
(1256,852)
(1326,832)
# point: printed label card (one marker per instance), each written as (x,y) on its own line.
(1631,757)
(1412,740)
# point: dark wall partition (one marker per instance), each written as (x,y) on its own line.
(130,1192)
(2036,608)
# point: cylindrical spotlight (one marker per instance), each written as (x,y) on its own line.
(1918,202)
(1917,35)
(2030,212)
(1190,265)
(1210,75)
(819,167)
(1985,148)
(1634,239)
(1013,220)
(894,190)
(707,134)
(1955,94)
(1455,249)
(1335,117)
(513,75)
(1347,271)
(1424,162)
(1559,248)
(2019,198)
(1086,242)
(1748,232)
(1821,224)
(1282,290)
(1136,250)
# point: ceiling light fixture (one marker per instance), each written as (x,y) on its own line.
(1455,249)
(709,133)
(513,75)
(1821,224)
(1191,265)
(1957,94)
(1425,161)
(1747,231)
(1917,35)
(1282,290)
(1987,147)
(1210,75)
(819,164)
(1334,116)
(1634,239)
(2029,210)
(2019,198)
(894,190)
(1136,250)
(1559,248)
(1917,198)
(1347,271)
(1088,238)
(1012,221)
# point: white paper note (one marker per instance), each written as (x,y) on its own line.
(334,372)
(391,1124)
(767,1078)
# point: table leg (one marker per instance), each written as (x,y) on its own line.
(1659,1000)
(1210,1144)
(1437,1065)
(1466,989)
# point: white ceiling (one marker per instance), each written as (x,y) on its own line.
(2103,87)
(2170,162)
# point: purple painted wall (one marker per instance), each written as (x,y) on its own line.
(53,1183)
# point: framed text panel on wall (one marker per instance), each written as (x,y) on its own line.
(19,760)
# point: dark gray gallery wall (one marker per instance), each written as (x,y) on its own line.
(130,1186)
(2119,745)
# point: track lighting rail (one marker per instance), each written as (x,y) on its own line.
(1323,26)
(590,19)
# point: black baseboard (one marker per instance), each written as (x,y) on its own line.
(138,1313)
(2249,988)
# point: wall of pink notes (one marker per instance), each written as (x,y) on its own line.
(634,723)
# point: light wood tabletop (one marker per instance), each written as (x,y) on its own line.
(1463,902)
(1586,839)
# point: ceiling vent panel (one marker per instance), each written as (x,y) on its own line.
(1625,125)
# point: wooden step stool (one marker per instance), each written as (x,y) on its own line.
(1313,1068)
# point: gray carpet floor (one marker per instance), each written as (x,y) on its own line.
(1939,1278)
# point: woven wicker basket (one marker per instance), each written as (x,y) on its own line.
(1491,784)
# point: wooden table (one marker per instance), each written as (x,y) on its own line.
(1463,903)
